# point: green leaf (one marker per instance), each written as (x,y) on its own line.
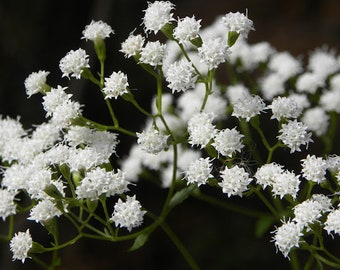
(181,195)
(197,41)
(37,248)
(139,241)
(92,205)
(263,224)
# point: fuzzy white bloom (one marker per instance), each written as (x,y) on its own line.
(77,135)
(181,75)
(333,163)
(213,52)
(267,173)
(54,98)
(157,15)
(201,129)
(237,92)
(302,100)
(234,181)
(128,214)
(199,171)
(330,100)
(65,113)
(317,120)
(332,223)
(86,158)
(323,62)
(285,65)
(20,245)
(37,181)
(44,211)
(35,82)
(132,45)
(45,135)
(238,22)
(187,29)
(7,205)
(272,85)
(97,30)
(115,85)
(314,168)
(309,82)
(294,134)
(334,82)
(153,53)
(286,183)
(284,107)
(287,236)
(228,141)
(73,63)
(152,141)
(15,177)
(99,181)
(248,107)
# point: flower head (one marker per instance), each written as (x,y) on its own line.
(234,181)
(151,141)
(267,174)
(284,107)
(132,45)
(35,82)
(74,63)
(213,52)
(332,223)
(199,171)
(7,205)
(314,168)
(228,141)
(187,29)
(201,129)
(115,85)
(20,245)
(238,22)
(248,107)
(97,30)
(286,183)
(44,211)
(316,119)
(152,53)
(284,65)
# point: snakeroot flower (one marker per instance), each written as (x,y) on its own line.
(285,65)
(309,82)
(152,53)
(97,30)
(238,22)
(323,62)
(128,214)
(317,120)
(286,183)
(314,168)
(213,52)
(20,245)
(73,63)
(228,141)
(152,141)
(36,82)
(234,181)
(187,29)
(332,223)
(267,173)
(181,76)
(294,134)
(157,15)
(115,85)
(248,107)
(7,205)
(199,171)
(54,98)
(237,92)
(330,100)
(201,129)
(271,85)
(284,107)
(44,211)
(132,45)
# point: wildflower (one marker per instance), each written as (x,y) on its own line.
(44,211)
(65,113)
(300,99)
(332,223)
(228,141)
(284,65)
(213,52)
(201,129)
(323,62)
(309,82)
(37,181)
(314,168)
(116,85)
(132,45)
(234,181)
(128,214)
(157,15)
(267,173)
(97,30)
(74,63)
(284,107)
(330,100)
(9,129)
(238,22)
(54,98)
(334,82)
(286,183)
(20,245)
(187,29)
(151,141)
(7,205)
(152,53)
(271,85)
(181,76)
(237,92)
(86,158)
(294,134)
(287,236)
(36,82)
(199,171)
(248,107)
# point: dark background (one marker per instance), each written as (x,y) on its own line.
(36,34)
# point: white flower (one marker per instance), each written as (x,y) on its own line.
(199,171)
(317,120)
(132,45)
(74,63)
(213,52)
(97,30)
(37,181)
(287,236)
(332,223)
(65,113)
(314,168)
(248,107)
(157,15)
(234,181)
(187,29)
(309,82)
(128,214)
(152,53)
(334,82)
(330,100)
(10,129)
(228,141)
(323,62)
(237,92)
(44,211)
(302,100)
(78,158)
(284,107)
(200,128)
(54,98)
(267,173)
(115,85)
(238,22)
(294,134)
(181,76)
(20,245)
(286,183)
(35,82)
(284,65)
(151,141)
(7,205)
(272,85)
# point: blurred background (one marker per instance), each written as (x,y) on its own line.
(36,34)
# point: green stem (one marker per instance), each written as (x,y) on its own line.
(266,202)
(208,88)
(294,262)
(112,114)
